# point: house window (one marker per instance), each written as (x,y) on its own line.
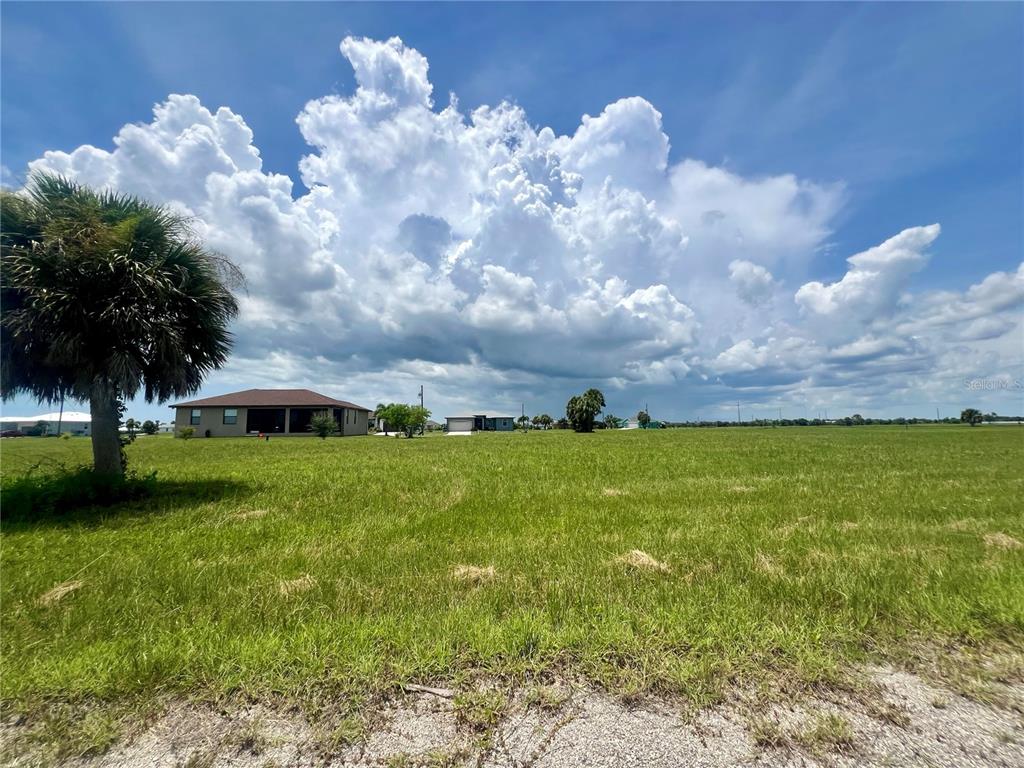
(194,419)
(230,415)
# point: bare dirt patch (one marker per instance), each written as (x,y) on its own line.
(897,719)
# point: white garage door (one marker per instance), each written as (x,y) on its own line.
(460,425)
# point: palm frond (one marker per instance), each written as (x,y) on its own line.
(105,287)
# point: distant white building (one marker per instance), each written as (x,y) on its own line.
(72,422)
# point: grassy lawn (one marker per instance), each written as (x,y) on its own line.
(297,567)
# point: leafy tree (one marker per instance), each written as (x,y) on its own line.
(523,422)
(323,424)
(39,429)
(990,417)
(149,427)
(400,415)
(643,418)
(562,423)
(402,418)
(157,424)
(417,422)
(131,425)
(971,416)
(581,410)
(104,295)
(543,421)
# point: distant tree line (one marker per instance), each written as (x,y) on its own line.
(968,416)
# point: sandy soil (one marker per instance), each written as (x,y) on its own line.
(900,720)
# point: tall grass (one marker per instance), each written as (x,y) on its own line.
(298,565)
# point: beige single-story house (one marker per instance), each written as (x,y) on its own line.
(267,411)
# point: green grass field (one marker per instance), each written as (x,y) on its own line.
(299,567)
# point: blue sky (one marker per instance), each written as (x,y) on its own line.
(908,115)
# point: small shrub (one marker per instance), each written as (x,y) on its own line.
(323,424)
(187,433)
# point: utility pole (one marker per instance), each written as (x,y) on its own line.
(738,420)
(60,418)
(423,429)
(937,418)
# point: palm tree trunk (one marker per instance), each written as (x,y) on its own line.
(106,440)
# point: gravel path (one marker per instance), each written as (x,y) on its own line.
(903,721)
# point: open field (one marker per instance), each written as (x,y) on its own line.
(301,570)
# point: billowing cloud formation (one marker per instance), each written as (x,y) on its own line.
(754,284)
(498,261)
(878,275)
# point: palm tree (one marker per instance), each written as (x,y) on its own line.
(581,410)
(105,295)
(612,422)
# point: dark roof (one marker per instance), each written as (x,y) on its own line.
(270,398)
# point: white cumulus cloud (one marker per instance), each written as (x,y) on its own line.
(498,260)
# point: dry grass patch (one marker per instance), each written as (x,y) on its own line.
(789,529)
(250,514)
(827,733)
(51,596)
(848,525)
(1002,541)
(639,560)
(613,492)
(296,586)
(766,565)
(474,574)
